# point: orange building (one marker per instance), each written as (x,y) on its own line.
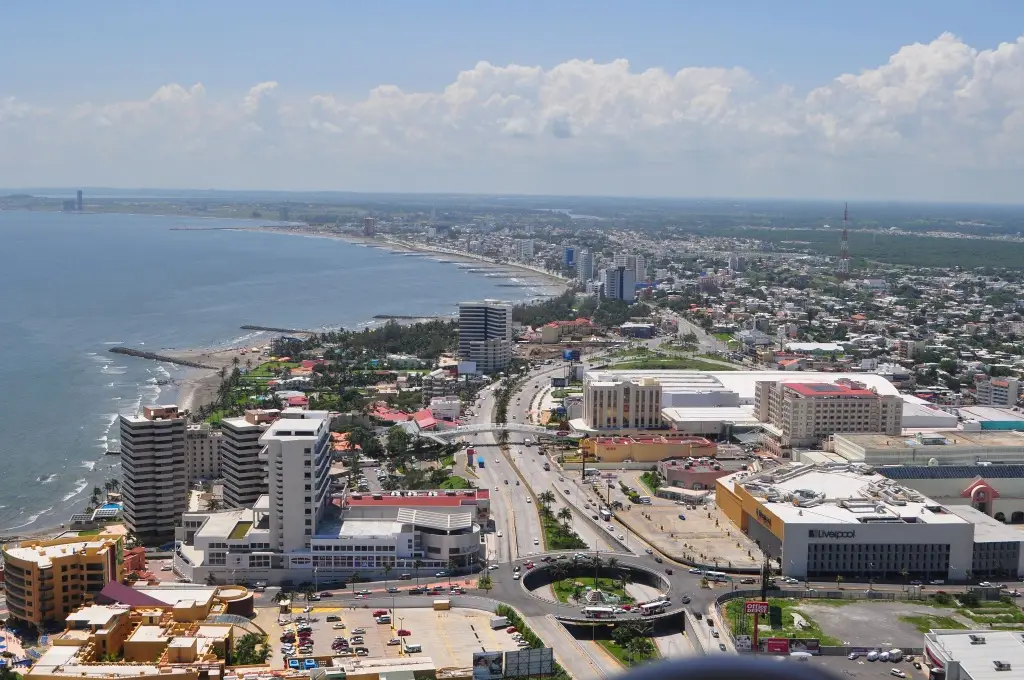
(646,448)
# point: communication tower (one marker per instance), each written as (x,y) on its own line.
(844,246)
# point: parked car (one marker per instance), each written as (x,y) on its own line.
(332,618)
(392,589)
(359,631)
(394,641)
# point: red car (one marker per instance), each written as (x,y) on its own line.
(529,565)
(379,612)
(510,629)
(402,632)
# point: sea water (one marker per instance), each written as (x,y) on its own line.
(74,285)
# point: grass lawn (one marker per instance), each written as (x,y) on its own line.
(724,337)
(89,532)
(993,612)
(649,480)
(927,622)
(564,588)
(446,461)
(680,363)
(621,655)
(455,482)
(741,625)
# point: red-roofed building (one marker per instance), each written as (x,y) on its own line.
(556,331)
(425,419)
(362,505)
(310,364)
(300,402)
(384,412)
(804,414)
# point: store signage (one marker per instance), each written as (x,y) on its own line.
(763,518)
(755,607)
(827,533)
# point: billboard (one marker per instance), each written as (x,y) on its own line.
(790,645)
(755,607)
(559,382)
(529,663)
(487,665)
(570,355)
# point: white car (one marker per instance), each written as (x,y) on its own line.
(166,567)
(898,673)
(529,500)
(621,537)
(499,534)
(536,541)
(610,528)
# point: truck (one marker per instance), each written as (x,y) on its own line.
(442,605)
(606,515)
(470,453)
(528,442)
(499,622)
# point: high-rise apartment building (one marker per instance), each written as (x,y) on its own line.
(800,415)
(202,452)
(569,257)
(155,481)
(369,226)
(242,463)
(585,266)
(298,452)
(641,269)
(485,334)
(611,403)
(44,581)
(998,392)
(79,203)
(619,283)
(524,249)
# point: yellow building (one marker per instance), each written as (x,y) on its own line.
(646,449)
(46,580)
(132,643)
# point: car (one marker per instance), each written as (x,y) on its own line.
(621,537)
(356,640)
(416,591)
(748,580)
(394,641)
(594,517)
(506,482)
(669,571)
(917,665)
(338,626)
(493,567)
(332,618)
(392,590)
(363,592)
(565,491)
(498,534)
(721,647)
(326,593)
(515,576)
(695,570)
(915,582)
(441,574)
(682,516)
(458,591)
(529,500)
(166,567)
(985,584)
(403,632)
(714,633)
(852,655)
(379,612)
(547,558)
(529,564)
(897,672)
(360,597)
(610,528)
(560,478)
(685,599)
(648,551)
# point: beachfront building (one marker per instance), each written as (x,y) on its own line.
(243,468)
(202,452)
(485,335)
(155,480)
(803,414)
(131,642)
(46,580)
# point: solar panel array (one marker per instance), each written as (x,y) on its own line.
(952,471)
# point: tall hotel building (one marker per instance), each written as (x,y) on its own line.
(485,334)
(155,488)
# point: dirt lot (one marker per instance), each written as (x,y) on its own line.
(697,536)
(873,624)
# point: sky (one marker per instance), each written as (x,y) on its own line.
(908,100)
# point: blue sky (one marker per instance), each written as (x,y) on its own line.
(63,49)
(283,96)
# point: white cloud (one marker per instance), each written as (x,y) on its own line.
(939,120)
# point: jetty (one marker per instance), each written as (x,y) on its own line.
(403,317)
(131,352)
(272,329)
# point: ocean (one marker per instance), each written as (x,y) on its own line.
(74,285)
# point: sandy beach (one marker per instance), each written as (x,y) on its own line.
(200,385)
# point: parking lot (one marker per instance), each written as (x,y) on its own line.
(864,670)
(873,624)
(449,637)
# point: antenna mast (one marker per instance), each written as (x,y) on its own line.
(844,246)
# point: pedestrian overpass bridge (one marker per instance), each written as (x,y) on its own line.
(451,433)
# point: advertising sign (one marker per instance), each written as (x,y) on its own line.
(755,607)
(487,665)
(743,643)
(771,645)
(529,663)
(790,645)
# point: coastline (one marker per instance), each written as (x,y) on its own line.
(399,246)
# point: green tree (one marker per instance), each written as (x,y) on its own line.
(398,441)
(417,565)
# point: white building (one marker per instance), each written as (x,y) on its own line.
(445,408)
(364,533)
(614,403)
(619,283)
(298,452)
(997,392)
(243,467)
(202,452)
(524,249)
(585,266)
(947,447)
(154,480)
(641,269)
(976,654)
(485,334)
(830,520)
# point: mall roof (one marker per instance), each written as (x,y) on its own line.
(436,520)
(945,439)
(734,415)
(742,382)
(977,660)
(444,498)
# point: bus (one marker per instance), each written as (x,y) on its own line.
(606,515)
(656,607)
(717,576)
(528,442)
(644,500)
(599,612)
(590,472)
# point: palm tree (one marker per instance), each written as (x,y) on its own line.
(248,364)
(639,648)
(417,565)
(282,596)
(625,578)
(565,515)
(354,579)
(387,569)
(452,565)
(839,581)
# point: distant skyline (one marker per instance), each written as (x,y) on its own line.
(909,101)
